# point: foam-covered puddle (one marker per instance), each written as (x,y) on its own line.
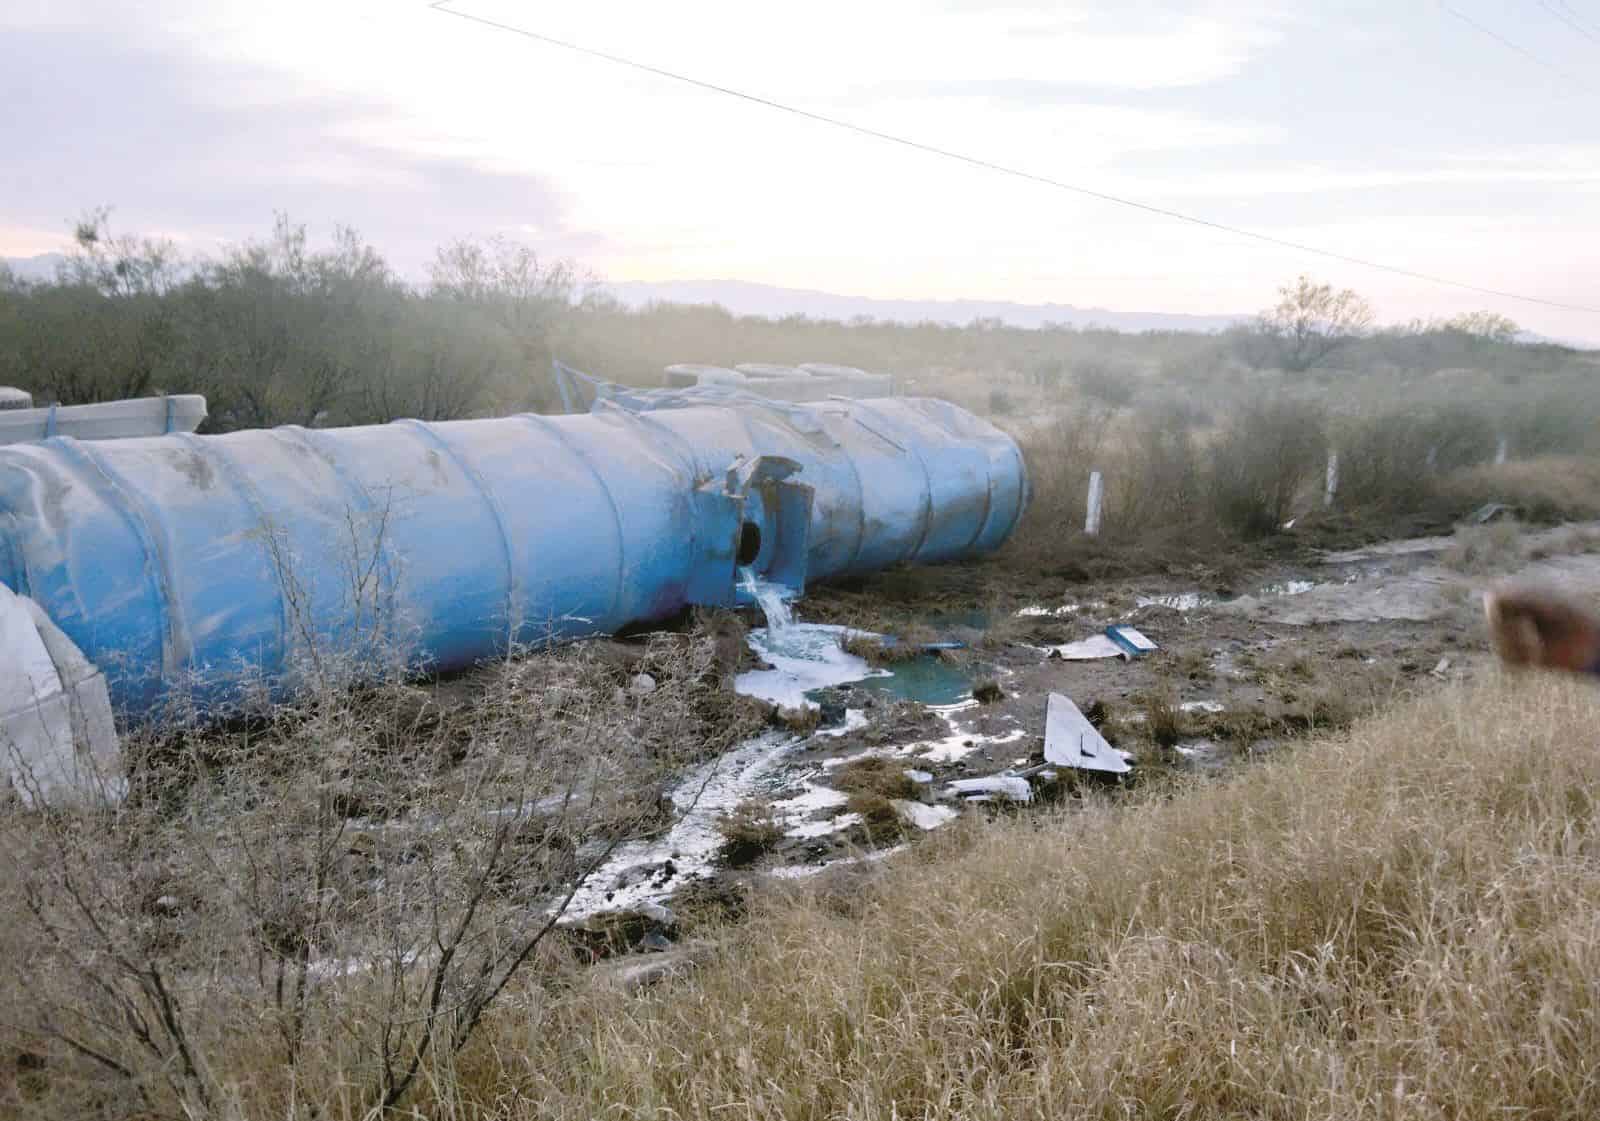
(802,658)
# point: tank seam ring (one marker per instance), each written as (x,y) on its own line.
(514,597)
(611,500)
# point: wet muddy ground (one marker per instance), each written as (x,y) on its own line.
(905,745)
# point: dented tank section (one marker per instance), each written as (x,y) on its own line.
(202,566)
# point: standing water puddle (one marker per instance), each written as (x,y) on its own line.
(926,679)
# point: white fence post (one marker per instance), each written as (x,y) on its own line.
(1500,451)
(1331,487)
(1091,523)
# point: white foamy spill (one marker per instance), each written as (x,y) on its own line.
(803,657)
(629,877)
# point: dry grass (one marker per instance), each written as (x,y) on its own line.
(800,721)
(748,831)
(313,913)
(988,692)
(1543,491)
(1482,549)
(909,644)
(1164,720)
(1399,923)
(1183,490)
(875,775)
(1572,541)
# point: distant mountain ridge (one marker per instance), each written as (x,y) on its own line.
(42,267)
(746,298)
(743,297)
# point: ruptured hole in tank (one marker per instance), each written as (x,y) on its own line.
(749,544)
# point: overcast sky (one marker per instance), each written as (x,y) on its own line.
(1392,131)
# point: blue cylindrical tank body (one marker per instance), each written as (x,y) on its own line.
(221,562)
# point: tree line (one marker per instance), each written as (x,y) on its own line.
(276,331)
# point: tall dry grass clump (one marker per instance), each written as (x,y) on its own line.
(1265,457)
(1403,922)
(1545,490)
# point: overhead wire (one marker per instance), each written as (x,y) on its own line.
(1570,21)
(1523,51)
(443,8)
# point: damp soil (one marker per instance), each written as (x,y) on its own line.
(1244,667)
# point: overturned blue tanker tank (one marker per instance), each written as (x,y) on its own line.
(208,565)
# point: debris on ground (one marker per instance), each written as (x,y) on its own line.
(1129,639)
(1011,788)
(1071,741)
(882,748)
(922,815)
(638,972)
(56,720)
(1088,649)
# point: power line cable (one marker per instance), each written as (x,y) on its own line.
(1573,12)
(1504,42)
(1003,169)
(1569,21)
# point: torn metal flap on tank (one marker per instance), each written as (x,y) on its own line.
(743,472)
(1071,741)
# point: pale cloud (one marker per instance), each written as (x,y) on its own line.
(199,152)
(839,49)
(1373,129)
(1312,179)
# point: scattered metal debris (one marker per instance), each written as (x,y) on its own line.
(890,642)
(1129,639)
(1088,649)
(1071,741)
(104,420)
(1117,641)
(1011,788)
(56,728)
(922,815)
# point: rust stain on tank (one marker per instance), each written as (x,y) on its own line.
(193,467)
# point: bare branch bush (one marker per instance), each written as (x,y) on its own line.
(1310,321)
(311,910)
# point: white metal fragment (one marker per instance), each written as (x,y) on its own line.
(1071,741)
(57,736)
(922,815)
(1087,649)
(1009,787)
